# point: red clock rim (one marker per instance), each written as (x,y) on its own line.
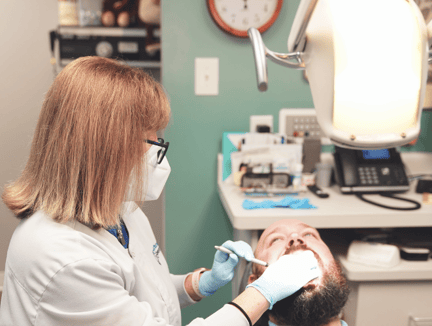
(225,27)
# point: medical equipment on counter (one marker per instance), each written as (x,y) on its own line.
(262,163)
(282,157)
(300,126)
(253,260)
(297,176)
(252,140)
(262,176)
(267,182)
(367,71)
(373,254)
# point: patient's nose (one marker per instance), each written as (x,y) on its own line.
(295,240)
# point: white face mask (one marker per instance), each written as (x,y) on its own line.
(157,175)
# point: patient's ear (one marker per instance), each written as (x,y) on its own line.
(252,278)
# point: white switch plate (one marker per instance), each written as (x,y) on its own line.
(206,76)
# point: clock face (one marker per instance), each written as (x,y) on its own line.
(237,16)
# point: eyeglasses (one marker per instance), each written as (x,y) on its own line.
(162,152)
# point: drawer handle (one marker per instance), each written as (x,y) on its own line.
(416,321)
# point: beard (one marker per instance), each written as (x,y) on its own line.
(314,306)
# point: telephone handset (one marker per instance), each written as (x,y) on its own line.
(370,171)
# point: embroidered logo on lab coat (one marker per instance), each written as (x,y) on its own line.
(156,251)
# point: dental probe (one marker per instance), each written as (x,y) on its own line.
(253,260)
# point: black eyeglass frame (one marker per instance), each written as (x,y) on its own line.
(162,152)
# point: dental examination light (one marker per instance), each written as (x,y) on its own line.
(367,65)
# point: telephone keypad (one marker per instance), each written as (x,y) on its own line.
(368,175)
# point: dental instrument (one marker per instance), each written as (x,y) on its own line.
(253,260)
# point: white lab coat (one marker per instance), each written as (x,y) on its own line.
(68,274)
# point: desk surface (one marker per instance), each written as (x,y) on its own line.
(337,211)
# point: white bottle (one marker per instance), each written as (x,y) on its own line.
(297,176)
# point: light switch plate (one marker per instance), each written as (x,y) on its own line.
(206,76)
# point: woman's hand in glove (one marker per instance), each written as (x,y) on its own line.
(286,276)
(224,264)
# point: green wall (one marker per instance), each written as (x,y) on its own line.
(424,141)
(195,218)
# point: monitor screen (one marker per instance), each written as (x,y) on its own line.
(376,154)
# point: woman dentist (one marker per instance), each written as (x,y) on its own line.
(84,253)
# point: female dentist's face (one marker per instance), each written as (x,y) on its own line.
(157,174)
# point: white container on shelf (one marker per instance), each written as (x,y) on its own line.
(373,254)
(67,13)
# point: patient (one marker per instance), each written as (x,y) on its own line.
(319,302)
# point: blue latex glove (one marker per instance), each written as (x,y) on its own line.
(286,276)
(286,202)
(222,271)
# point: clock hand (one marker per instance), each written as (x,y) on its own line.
(245,6)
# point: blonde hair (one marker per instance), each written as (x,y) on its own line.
(89,142)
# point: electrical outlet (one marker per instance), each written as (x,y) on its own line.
(206,76)
(261,123)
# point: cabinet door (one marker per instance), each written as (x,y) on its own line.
(419,321)
(389,303)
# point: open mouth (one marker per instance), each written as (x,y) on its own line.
(313,283)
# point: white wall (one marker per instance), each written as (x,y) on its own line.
(25,76)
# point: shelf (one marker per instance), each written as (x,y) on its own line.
(138,64)
(106,31)
(404,271)
(128,44)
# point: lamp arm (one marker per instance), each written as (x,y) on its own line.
(284,59)
(261,52)
(297,36)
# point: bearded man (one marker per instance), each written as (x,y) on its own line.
(319,302)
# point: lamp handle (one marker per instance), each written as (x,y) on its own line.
(259,51)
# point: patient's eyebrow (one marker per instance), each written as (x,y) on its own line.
(307,226)
(268,235)
(280,229)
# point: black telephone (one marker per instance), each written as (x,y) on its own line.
(370,171)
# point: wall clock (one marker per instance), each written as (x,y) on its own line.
(237,16)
